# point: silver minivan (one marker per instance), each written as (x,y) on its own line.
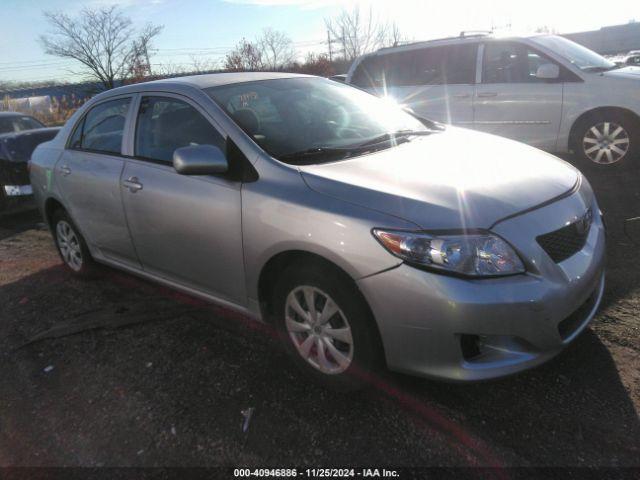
(543,90)
(366,236)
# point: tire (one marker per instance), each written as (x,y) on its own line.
(350,367)
(607,139)
(71,246)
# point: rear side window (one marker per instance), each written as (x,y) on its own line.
(449,64)
(369,73)
(166,124)
(102,128)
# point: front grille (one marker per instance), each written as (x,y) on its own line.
(565,242)
(569,325)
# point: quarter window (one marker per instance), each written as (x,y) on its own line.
(166,124)
(511,63)
(102,128)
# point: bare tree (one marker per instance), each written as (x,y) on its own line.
(103,41)
(203,65)
(276,49)
(394,36)
(358,33)
(246,56)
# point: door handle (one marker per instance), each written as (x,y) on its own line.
(462,95)
(487,94)
(65,170)
(133,184)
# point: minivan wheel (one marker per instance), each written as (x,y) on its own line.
(607,139)
(325,326)
(71,245)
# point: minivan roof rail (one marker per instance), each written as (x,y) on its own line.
(463,34)
(475,33)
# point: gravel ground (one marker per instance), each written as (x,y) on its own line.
(117,371)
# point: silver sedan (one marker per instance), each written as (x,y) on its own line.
(367,236)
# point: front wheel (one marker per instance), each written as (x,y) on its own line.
(607,139)
(326,327)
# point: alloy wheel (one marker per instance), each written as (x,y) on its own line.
(69,245)
(606,143)
(319,330)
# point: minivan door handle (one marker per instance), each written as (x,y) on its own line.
(133,184)
(64,170)
(487,94)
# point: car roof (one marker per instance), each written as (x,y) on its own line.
(198,81)
(227,78)
(458,40)
(14,114)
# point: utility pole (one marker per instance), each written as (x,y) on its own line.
(329,44)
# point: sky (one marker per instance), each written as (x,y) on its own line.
(206,29)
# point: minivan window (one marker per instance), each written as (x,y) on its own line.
(583,58)
(103,127)
(447,64)
(166,124)
(511,63)
(296,115)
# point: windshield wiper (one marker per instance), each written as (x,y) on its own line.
(599,69)
(314,152)
(385,137)
(345,152)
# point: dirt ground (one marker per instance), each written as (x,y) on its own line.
(117,371)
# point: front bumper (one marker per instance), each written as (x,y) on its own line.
(462,329)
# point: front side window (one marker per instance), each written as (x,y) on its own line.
(511,63)
(292,115)
(166,124)
(103,127)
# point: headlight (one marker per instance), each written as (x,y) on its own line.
(478,255)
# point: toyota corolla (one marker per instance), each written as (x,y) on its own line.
(368,237)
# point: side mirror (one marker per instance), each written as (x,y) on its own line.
(200,160)
(548,71)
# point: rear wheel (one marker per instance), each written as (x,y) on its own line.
(607,139)
(71,245)
(325,326)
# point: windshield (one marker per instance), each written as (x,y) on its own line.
(292,116)
(21,147)
(18,123)
(583,58)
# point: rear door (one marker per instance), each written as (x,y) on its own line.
(512,101)
(186,229)
(88,175)
(435,82)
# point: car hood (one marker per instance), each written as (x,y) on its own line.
(449,180)
(624,72)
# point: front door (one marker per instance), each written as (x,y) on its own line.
(186,229)
(88,174)
(512,101)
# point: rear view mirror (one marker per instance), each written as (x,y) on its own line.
(548,71)
(200,160)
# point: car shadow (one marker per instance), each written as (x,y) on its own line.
(572,411)
(177,364)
